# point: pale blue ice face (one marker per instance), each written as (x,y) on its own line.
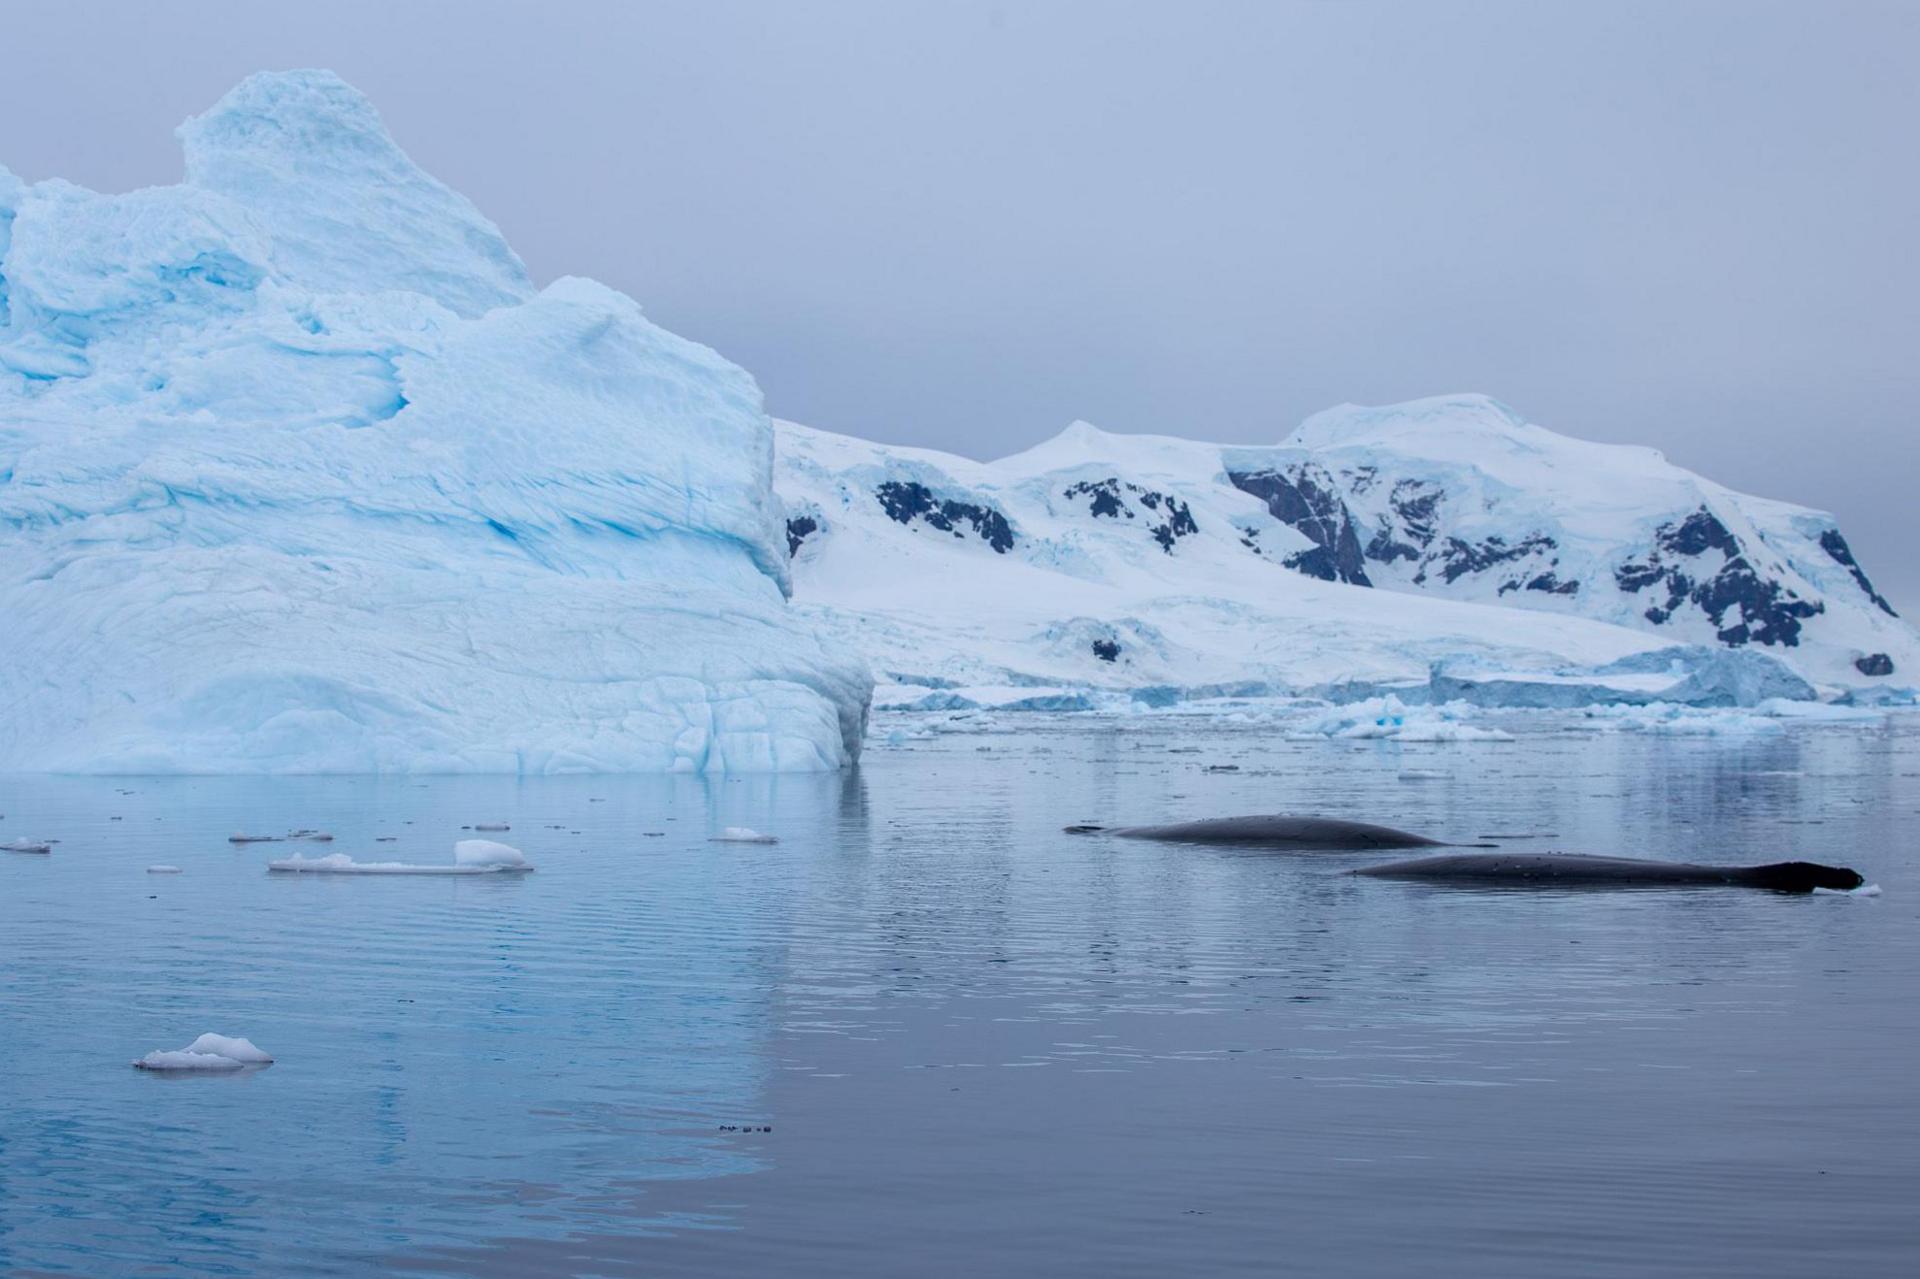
(980,1044)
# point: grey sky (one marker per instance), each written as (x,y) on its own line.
(1689,225)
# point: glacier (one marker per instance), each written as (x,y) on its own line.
(1440,552)
(299,472)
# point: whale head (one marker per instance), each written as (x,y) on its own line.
(1804,877)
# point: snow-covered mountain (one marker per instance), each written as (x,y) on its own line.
(299,472)
(1444,542)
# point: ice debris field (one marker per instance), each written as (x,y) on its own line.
(300,473)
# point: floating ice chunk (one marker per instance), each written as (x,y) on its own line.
(184,1060)
(1865,890)
(236,1047)
(209,1052)
(471,857)
(485,854)
(743,835)
(27,846)
(341,864)
(491,826)
(163,870)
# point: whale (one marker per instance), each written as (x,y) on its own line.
(1577,870)
(1275,831)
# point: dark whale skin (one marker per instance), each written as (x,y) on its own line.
(1574,870)
(1272,830)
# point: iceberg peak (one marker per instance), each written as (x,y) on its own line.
(347,210)
(302,118)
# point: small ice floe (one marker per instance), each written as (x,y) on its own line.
(470,857)
(491,826)
(1422,775)
(253,839)
(27,846)
(163,870)
(207,1053)
(1865,890)
(743,835)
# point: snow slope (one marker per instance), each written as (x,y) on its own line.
(1444,544)
(298,472)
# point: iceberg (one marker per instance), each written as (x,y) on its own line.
(300,473)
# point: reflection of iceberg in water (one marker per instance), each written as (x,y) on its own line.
(460,1058)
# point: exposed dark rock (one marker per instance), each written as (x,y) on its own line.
(797,530)
(1833,544)
(1105,495)
(1175,519)
(1417,504)
(1875,664)
(1553,585)
(1383,549)
(1460,557)
(1742,605)
(1106,650)
(1305,499)
(906,501)
(1178,524)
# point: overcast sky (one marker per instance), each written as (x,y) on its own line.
(1686,224)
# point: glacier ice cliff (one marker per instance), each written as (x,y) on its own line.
(300,473)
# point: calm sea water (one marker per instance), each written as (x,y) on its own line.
(982,1046)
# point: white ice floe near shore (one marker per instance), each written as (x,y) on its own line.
(470,857)
(1443,550)
(210,1052)
(299,472)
